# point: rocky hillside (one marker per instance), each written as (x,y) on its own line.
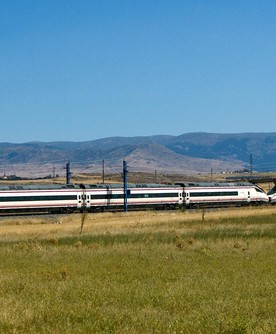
(188,153)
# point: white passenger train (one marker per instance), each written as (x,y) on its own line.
(101,197)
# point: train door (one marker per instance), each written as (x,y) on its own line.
(187,198)
(181,195)
(79,201)
(84,200)
(248,196)
(88,203)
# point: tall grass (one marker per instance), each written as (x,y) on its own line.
(139,273)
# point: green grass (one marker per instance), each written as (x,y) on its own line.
(181,277)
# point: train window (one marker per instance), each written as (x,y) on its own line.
(133,195)
(215,193)
(272,191)
(38,198)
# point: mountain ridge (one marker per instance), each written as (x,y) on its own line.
(196,152)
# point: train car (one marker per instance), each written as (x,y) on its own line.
(222,194)
(111,196)
(42,198)
(272,195)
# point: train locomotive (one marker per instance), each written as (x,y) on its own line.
(222,194)
(57,198)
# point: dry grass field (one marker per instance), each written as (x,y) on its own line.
(209,271)
(15,228)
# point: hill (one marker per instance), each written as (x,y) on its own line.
(187,153)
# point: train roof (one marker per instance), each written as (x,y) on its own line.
(6,187)
(129,185)
(214,184)
(38,186)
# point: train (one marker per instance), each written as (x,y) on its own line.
(67,198)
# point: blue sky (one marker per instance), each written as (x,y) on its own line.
(89,69)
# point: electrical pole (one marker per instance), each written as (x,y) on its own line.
(251,164)
(103,171)
(125,172)
(68,173)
